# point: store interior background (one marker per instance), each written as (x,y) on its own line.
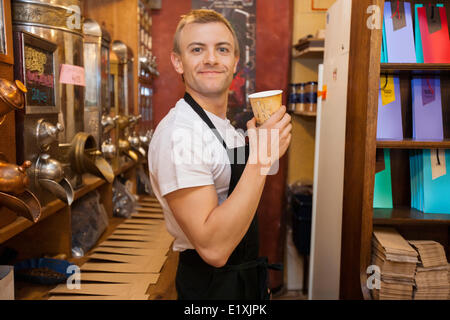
(344,158)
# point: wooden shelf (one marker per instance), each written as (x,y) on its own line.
(305,113)
(20,224)
(309,53)
(435,67)
(413,144)
(407,216)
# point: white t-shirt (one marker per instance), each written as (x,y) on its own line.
(185,153)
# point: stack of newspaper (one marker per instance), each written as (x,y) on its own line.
(397,261)
(431,280)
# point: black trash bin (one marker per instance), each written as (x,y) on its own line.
(301,208)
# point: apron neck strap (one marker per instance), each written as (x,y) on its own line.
(202,114)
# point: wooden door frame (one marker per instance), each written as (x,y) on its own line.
(360,149)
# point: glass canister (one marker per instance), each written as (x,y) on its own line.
(292,96)
(311,96)
(300,100)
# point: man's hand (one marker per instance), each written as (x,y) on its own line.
(270,141)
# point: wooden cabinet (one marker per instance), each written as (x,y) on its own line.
(359,217)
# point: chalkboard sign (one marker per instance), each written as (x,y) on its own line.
(39,77)
(36,69)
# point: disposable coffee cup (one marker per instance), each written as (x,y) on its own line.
(265,103)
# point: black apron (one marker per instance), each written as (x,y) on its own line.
(245,274)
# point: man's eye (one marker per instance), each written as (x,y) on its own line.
(224,50)
(197,50)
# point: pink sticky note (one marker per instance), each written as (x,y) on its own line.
(71,74)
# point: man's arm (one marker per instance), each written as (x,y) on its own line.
(215,230)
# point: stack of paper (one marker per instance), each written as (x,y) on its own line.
(430,180)
(129,260)
(431,279)
(397,262)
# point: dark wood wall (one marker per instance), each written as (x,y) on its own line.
(273,53)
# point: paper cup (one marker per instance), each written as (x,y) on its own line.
(265,103)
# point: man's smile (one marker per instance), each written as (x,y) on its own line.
(210,72)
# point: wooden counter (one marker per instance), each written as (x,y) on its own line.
(164,289)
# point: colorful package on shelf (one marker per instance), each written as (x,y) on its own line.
(417,35)
(416,162)
(420,190)
(413,177)
(435,38)
(436,181)
(389,120)
(427,108)
(399,32)
(382,195)
(384,46)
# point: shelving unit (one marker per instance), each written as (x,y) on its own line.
(304,69)
(52,233)
(309,53)
(439,67)
(408,216)
(413,144)
(305,113)
(312,51)
(359,216)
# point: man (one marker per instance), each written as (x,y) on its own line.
(199,173)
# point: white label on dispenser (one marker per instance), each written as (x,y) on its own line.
(438,168)
(71,74)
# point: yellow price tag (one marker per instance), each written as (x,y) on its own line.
(387,89)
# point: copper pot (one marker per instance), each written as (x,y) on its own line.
(12,96)
(13,190)
(13,178)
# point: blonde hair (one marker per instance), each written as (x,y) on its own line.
(203,16)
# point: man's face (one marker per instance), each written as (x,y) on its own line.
(207,59)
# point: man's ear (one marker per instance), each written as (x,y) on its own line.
(235,65)
(176,62)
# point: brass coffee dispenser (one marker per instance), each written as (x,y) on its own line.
(134,139)
(59,21)
(122,75)
(37,126)
(98,119)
